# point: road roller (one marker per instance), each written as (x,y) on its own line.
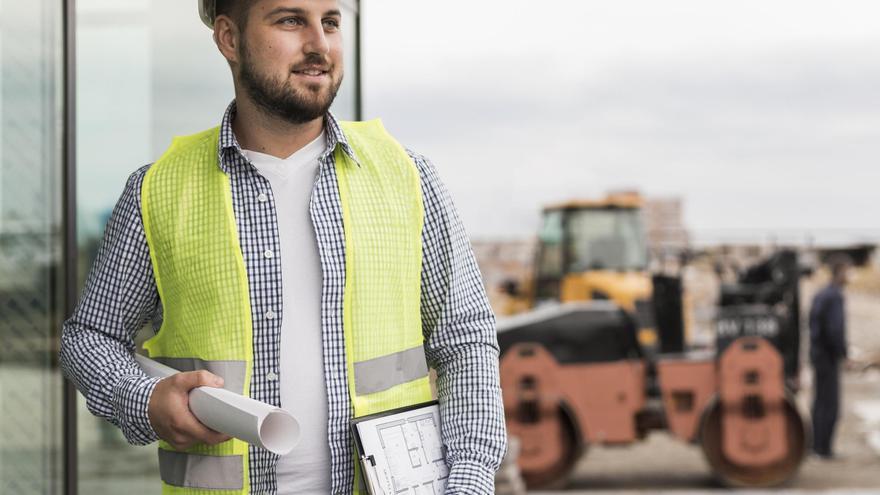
(581,371)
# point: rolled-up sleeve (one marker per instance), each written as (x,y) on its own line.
(461,344)
(119,297)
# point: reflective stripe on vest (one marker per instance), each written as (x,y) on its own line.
(381,373)
(233,372)
(202,281)
(200,471)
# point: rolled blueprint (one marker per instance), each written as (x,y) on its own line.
(254,422)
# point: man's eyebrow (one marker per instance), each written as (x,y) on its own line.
(300,11)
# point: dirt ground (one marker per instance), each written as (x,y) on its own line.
(662,464)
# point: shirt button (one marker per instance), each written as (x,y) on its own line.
(268,253)
(262,198)
(271,376)
(270,315)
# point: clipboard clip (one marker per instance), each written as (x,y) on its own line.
(371,478)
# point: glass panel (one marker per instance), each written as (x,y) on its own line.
(147,70)
(549,258)
(550,236)
(345,105)
(30,246)
(606,239)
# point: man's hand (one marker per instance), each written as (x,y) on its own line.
(170,415)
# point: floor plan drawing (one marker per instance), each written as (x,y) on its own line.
(416,461)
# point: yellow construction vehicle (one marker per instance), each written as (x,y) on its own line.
(591,250)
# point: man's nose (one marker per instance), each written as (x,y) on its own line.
(316,40)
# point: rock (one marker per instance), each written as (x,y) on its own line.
(508,480)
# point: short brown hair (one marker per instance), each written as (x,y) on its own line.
(237,10)
(838,263)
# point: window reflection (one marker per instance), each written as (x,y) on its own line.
(30,247)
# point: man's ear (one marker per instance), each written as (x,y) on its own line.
(227,37)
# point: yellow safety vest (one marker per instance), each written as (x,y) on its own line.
(202,281)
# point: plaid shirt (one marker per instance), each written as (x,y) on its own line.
(120,297)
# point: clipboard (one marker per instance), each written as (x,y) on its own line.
(401,452)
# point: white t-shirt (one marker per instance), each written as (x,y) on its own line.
(303,391)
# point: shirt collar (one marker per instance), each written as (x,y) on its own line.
(229,143)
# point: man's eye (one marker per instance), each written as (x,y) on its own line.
(331,24)
(291,21)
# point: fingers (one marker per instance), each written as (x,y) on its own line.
(215,437)
(174,422)
(192,379)
(190,424)
(193,431)
(186,430)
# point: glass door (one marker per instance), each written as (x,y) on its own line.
(31,277)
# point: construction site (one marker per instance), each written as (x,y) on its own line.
(634,360)
(656,194)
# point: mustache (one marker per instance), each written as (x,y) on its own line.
(313,61)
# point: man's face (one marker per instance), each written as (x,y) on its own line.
(291,57)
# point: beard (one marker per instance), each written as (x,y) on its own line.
(280,99)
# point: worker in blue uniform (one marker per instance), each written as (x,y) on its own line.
(827,353)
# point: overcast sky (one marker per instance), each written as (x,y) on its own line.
(764,116)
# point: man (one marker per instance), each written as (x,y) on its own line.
(827,351)
(316,265)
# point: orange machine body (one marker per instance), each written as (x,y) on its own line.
(557,410)
(687,386)
(753,399)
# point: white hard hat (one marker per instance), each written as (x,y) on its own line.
(208,11)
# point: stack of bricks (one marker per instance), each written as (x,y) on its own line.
(664,225)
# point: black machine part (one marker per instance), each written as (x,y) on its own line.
(765,292)
(668,313)
(582,332)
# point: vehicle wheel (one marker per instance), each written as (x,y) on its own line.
(747,476)
(549,451)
